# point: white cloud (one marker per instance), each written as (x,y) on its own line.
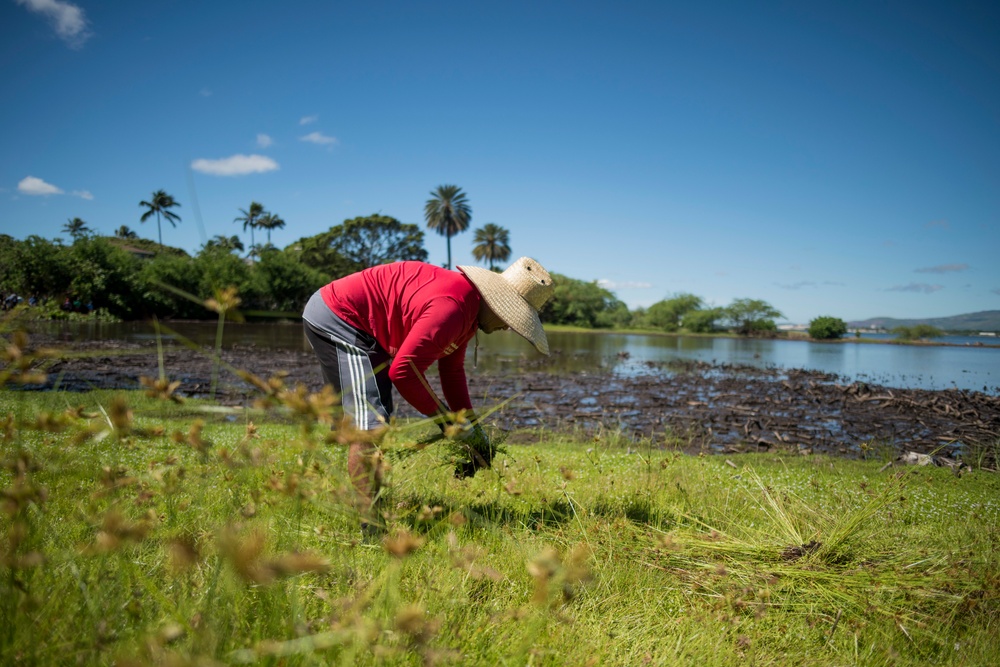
(205,92)
(916,287)
(236,165)
(319,138)
(306,120)
(943,268)
(36,186)
(624,284)
(942,223)
(31,185)
(68,19)
(263,140)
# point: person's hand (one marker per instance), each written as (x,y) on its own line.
(477,447)
(474,434)
(461,430)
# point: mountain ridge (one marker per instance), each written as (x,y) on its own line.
(984,320)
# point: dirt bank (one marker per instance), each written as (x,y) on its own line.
(716,408)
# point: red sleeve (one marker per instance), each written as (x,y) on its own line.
(434,335)
(452,371)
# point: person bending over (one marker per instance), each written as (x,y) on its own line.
(385,325)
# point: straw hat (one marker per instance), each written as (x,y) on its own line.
(516,296)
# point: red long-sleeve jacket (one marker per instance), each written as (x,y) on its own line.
(419,313)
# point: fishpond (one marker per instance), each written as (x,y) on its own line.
(967,362)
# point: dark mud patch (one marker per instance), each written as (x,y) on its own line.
(709,407)
(737,409)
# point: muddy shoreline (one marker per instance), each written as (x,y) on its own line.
(714,408)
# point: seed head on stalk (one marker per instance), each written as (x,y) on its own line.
(244,550)
(402,543)
(224,303)
(310,407)
(19,361)
(272,387)
(162,389)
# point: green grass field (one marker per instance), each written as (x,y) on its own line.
(136,531)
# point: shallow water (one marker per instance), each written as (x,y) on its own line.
(905,366)
(961,365)
(721,406)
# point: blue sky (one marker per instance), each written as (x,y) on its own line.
(830,158)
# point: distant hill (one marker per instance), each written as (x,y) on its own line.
(986,320)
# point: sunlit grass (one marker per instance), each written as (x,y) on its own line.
(141,531)
(138,529)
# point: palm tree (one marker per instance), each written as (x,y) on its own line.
(228,243)
(270,221)
(251,219)
(160,204)
(76,228)
(448,212)
(124,232)
(492,244)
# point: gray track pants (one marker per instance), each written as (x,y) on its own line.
(353,362)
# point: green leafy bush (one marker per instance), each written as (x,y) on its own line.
(582,303)
(668,314)
(749,316)
(285,282)
(917,332)
(827,328)
(702,321)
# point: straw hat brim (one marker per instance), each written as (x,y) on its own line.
(508,305)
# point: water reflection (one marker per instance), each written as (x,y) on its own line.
(925,367)
(271,335)
(909,366)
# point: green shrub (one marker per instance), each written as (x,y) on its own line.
(749,316)
(917,332)
(286,283)
(827,328)
(669,313)
(702,321)
(584,304)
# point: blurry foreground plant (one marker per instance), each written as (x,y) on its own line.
(244,550)
(19,361)
(224,303)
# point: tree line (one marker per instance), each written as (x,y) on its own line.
(127,277)
(587,304)
(124,277)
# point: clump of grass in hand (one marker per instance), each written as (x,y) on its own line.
(466,446)
(471,450)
